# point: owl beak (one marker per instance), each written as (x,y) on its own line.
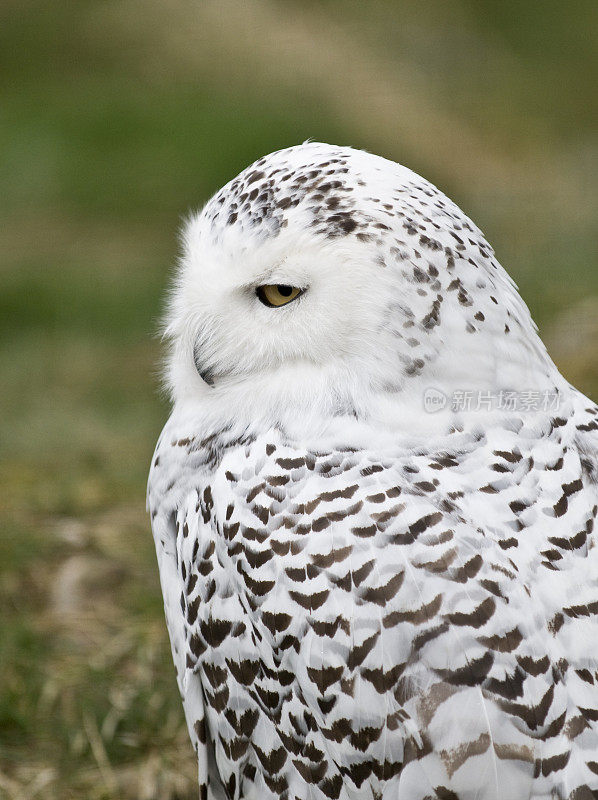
(207,377)
(205,373)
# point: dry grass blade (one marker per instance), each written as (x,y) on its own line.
(99,753)
(30,790)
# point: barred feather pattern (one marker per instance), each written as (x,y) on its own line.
(386,622)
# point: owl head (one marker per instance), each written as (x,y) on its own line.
(326,277)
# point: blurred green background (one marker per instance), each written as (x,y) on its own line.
(116,119)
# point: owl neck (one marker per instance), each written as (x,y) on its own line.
(460,389)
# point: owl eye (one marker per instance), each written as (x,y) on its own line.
(279,294)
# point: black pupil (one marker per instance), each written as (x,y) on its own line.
(285,291)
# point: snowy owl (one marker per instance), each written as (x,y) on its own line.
(374,501)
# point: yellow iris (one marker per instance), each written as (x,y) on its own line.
(275,295)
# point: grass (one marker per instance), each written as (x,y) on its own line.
(118,118)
